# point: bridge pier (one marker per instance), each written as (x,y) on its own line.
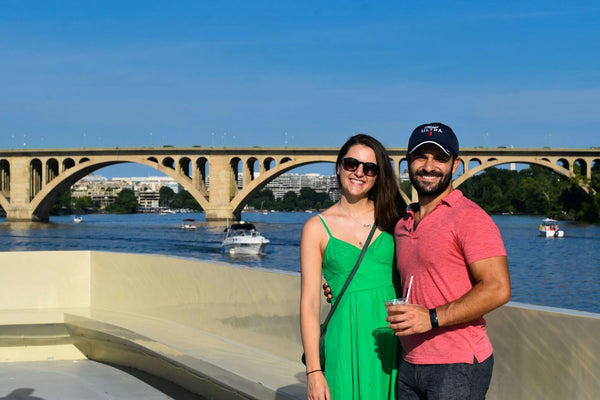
(223,188)
(23,214)
(19,207)
(221,214)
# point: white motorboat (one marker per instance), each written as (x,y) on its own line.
(77,219)
(549,228)
(188,224)
(243,238)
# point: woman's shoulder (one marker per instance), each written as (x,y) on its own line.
(323,221)
(313,222)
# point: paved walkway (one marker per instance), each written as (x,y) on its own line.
(83,380)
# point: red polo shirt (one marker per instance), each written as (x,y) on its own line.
(456,233)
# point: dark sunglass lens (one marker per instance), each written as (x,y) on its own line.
(370,169)
(350,164)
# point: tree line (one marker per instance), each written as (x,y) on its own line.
(125,202)
(534,190)
(308,199)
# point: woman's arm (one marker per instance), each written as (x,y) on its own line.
(312,243)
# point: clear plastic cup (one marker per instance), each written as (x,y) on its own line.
(394,302)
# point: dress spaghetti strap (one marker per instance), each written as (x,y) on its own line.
(326,227)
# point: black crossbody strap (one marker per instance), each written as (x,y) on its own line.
(360,257)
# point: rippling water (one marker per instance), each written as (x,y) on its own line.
(555,272)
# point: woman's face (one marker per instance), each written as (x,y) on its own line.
(357,183)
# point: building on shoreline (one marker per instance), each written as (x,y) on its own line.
(294,182)
(146,189)
(105,191)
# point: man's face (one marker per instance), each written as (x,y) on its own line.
(430,170)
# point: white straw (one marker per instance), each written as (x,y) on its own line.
(408,291)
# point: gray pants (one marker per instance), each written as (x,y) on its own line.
(444,381)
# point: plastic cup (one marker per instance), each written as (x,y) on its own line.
(394,302)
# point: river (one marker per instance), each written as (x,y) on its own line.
(557,272)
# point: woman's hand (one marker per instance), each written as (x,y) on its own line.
(317,388)
(327,292)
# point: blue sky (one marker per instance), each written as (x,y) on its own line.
(297,73)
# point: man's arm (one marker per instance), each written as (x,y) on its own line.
(491,289)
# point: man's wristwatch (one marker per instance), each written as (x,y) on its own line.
(433,318)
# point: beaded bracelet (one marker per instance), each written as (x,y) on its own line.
(316,370)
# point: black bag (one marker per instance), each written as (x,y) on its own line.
(334,306)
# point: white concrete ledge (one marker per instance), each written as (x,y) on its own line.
(231,332)
(211,328)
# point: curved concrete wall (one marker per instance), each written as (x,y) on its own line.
(255,307)
(44,280)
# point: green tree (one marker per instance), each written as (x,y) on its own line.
(263,200)
(289,201)
(311,199)
(183,199)
(166,195)
(125,203)
(534,190)
(64,202)
(83,203)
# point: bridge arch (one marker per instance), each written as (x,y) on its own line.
(168,162)
(494,162)
(200,173)
(583,167)
(42,199)
(68,163)
(184,166)
(563,162)
(250,165)
(285,164)
(35,177)
(52,169)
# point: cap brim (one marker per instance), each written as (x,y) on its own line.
(432,142)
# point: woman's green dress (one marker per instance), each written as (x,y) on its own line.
(360,350)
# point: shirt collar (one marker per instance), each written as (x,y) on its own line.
(449,200)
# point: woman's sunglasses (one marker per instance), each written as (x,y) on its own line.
(351,164)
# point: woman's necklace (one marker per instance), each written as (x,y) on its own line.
(369,225)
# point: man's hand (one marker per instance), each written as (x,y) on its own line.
(408,319)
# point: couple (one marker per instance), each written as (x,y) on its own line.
(450,247)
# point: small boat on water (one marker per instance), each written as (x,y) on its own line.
(549,228)
(243,238)
(77,219)
(188,224)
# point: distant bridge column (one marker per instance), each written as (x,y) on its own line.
(20,189)
(248,173)
(44,177)
(220,193)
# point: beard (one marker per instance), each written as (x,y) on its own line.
(430,189)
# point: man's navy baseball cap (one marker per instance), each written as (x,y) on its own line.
(436,133)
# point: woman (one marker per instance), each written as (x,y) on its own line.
(360,349)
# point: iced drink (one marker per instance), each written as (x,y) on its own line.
(394,302)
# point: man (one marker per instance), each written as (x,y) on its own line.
(455,255)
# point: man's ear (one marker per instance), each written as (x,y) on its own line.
(455,164)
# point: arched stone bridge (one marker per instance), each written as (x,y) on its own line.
(31,181)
